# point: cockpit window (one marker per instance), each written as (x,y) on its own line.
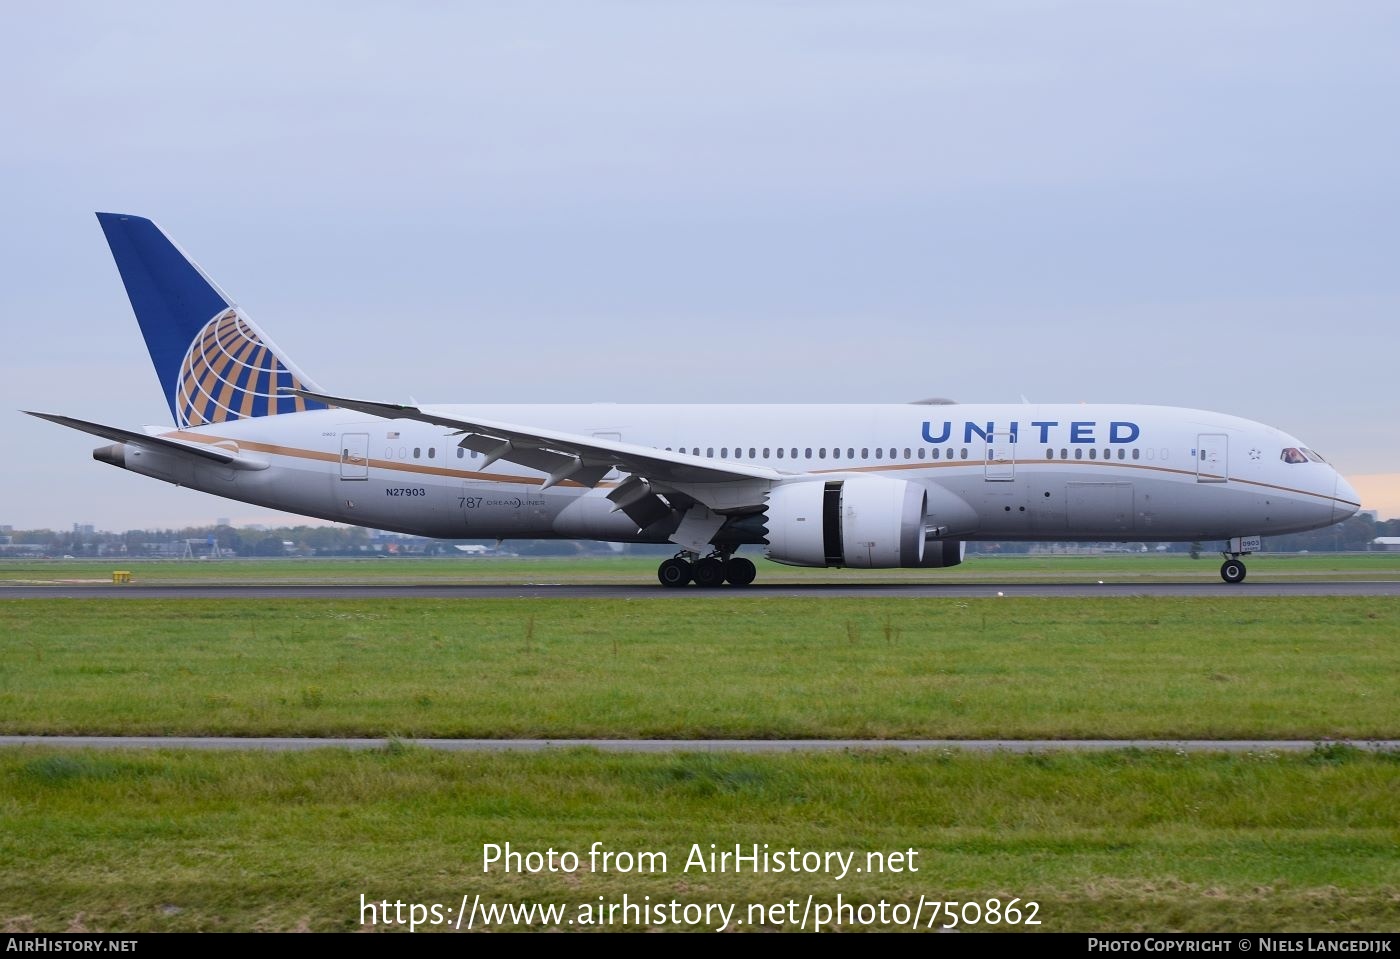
(1313,456)
(1292,455)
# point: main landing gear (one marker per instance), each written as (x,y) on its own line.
(1232,570)
(714,570)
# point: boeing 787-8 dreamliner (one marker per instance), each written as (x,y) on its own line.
(838,485)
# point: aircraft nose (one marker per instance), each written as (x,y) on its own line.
(1346,502)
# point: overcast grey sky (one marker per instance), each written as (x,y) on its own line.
(1192,204)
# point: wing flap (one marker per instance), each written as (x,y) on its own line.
(564,464)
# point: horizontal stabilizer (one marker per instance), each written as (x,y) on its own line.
(208,454)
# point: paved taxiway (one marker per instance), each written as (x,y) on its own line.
(653,591)
(278,744)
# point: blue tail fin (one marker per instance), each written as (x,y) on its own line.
(214,364)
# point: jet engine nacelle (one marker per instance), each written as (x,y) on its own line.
(865,522)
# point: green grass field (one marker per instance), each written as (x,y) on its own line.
(171,840)
(1131,667)
(1119,841)
(1117,567)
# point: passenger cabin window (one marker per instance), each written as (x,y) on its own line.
(416,451)
(432,452)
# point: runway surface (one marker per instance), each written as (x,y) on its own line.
(275,744)
(653,591)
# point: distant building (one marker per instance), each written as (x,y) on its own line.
(1389,544)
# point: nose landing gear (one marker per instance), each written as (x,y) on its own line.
(1232,570)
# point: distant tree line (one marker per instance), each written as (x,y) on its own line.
(1355,534)
(321,540)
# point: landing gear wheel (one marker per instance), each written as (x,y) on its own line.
(739,571)
(1232,571)
(708,572)
(673,572)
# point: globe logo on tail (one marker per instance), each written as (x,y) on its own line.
(231,373)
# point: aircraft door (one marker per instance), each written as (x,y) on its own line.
(354,456)
(1212,458)
(1001,457)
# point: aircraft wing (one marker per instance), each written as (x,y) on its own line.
(207,454)
(570,456)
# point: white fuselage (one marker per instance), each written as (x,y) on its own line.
(1016,472)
